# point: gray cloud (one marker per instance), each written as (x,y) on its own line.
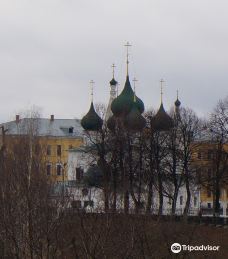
(51,49)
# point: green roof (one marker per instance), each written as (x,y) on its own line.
(91,121)
(122,104)
(162,121)
(113,82)
(111,123)
(134,121)
(177,102)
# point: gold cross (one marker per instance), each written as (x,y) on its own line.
(135,80)
(91,85)
(127,45)
(113,70)
(161,81)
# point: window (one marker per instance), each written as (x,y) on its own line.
(199,155)
(85,191)
(88,203)
(198,175)
(37,149)
(77,204)
(58,169)
(195,201)
(181,200)
(209,173)
(208,193)
(59,150)
(209,205)
(209,154)
(79,174)
(224,155)
(48,169)
(71,183)
(71,129)
(48,150)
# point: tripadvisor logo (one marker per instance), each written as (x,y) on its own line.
(176,248)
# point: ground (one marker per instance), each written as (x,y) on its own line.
(139,236)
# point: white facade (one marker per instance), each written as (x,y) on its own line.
(111,98)
(81,158)
(78,158)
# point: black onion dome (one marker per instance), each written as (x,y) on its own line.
(111,123)
(177,103)
(139,104)
(134,121)
(162,121)
(113,82)
(122,104)
(92,121)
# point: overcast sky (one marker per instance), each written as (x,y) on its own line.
(51,49)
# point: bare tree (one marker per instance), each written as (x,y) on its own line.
(218,133)
(173,164)
(30,213)
(189,128)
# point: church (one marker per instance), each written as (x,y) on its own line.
(116,145)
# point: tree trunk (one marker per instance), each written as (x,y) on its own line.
(126,202)
(174,201)
(149,197)
(216,205)
(160,192)
(114,190)
(187,204)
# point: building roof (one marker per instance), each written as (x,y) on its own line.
(44,127)
(113,81)
(134,121)
(92,121)
(162,121)
(122,104)
(111,123)
(177,102)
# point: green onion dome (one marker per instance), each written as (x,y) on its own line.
(92,121)
(122,104)
(111,123)
(162,121)
(134,121)
(113,82)
(177,102)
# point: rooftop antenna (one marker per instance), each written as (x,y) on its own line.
(127,45)
(91,88)
(162,81)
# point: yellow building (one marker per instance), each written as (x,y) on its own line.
(205,161)
(55,137)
